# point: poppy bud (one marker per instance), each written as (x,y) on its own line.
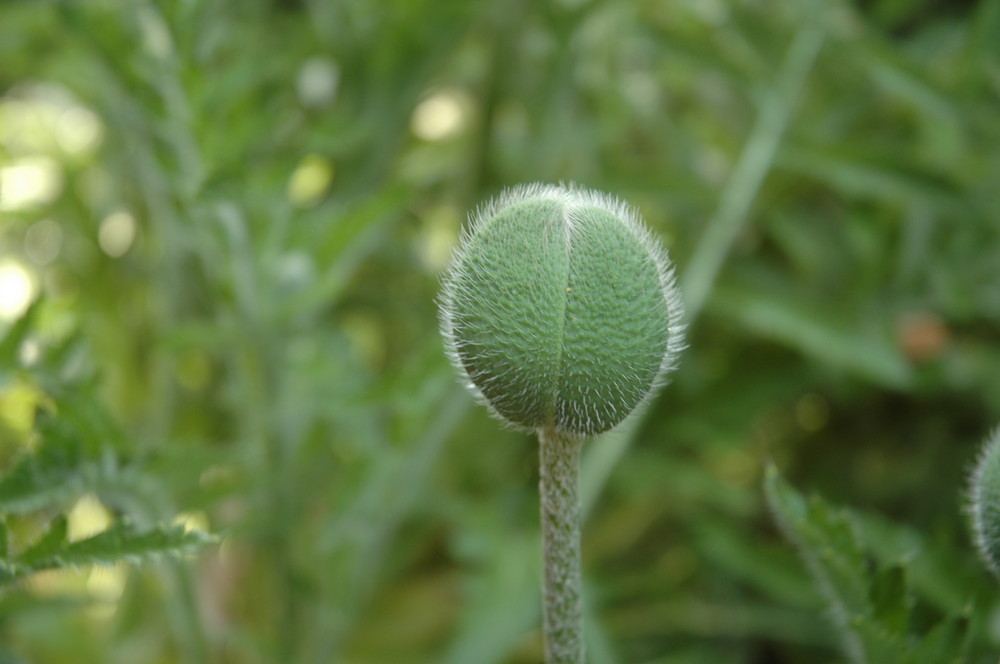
(560,309)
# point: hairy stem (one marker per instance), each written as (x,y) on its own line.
(560,501)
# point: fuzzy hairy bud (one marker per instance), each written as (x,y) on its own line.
(984,503)
(560,309)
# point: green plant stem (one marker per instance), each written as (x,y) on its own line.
(560,503)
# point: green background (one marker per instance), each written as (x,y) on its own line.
(235,215)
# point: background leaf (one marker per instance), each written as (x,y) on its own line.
(191,335)
(871,608)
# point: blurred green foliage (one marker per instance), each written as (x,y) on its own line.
(233,215)
(877,616)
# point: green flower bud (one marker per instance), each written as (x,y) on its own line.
(560,309)
(984,503)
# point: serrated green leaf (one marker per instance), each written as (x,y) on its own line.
(119,543)
(46,477)
(826,542)
(872,609)
(830,549)
(930,574)
(50,544)
(80,419)
(80,444)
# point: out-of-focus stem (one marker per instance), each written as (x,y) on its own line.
(753,165)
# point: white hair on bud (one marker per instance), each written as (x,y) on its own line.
(985,517)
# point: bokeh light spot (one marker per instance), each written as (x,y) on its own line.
(29,182)
(106,584)
(318,81)
(441,115)
(19,402)
(310,180)
(87,518)
(438,235)
(116,234)
(78,130)
(17,290)
(193,521)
